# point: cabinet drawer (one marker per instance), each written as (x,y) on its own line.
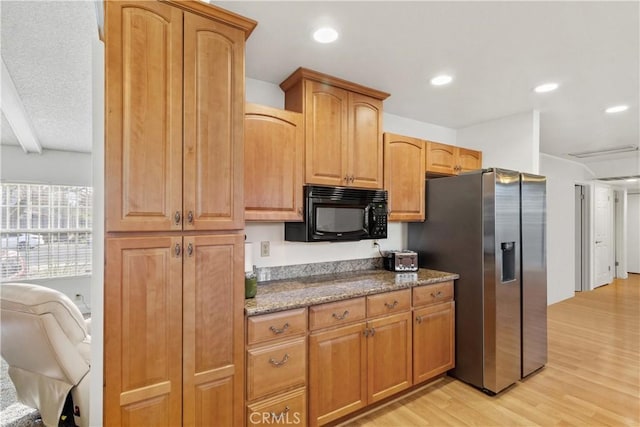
(274,326)
(431,294)
(286,409)
(337,313)
(389,302)
(276,368)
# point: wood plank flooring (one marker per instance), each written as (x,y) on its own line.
(592,377)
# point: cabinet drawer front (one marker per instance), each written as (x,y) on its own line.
(431,294)
(337,313)
(389,302)
(269,327)
(276,368)
(286,409)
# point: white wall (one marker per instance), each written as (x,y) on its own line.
(562,175)
(625,165)
(97,282)
(633,233)
(511,142)
(50,167)
(291,253)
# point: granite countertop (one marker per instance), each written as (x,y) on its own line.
(279,295)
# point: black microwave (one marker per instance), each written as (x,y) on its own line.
(339,213)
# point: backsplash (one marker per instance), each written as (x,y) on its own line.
(302,270)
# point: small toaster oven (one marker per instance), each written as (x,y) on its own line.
(401,261)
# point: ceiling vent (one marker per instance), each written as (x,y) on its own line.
(620,178)
(604,152)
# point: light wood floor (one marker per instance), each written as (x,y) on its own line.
(592,377)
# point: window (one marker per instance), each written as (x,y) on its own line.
(45,231)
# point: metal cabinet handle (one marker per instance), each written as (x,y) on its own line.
(190,249)
(436,295)
(190,217)
(366,332)
(341,316)
(279,416)
(352,178)
(177,249)
(392,305)
(300,211)
(177,217)
(277,364)
(419,319)
(598,241)
(278,331)
(373,331)
(346,178)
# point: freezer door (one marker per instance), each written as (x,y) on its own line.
(501,219)
(534,272)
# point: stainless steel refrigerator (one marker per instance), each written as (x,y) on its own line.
(489,226)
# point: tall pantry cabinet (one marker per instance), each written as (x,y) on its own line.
(174,292)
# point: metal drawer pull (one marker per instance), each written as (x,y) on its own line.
(278,331)
(436,295)
(392,305)
(277,417)
(341,317)
(277,364)
(418,319)
(373,331)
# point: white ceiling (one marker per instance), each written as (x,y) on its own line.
(496,51)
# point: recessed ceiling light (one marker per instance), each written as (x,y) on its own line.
(441,80)
(547,87)
(325,35)
(617,109)
(632,179)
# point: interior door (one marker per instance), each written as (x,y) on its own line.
(633,233)
(602,244)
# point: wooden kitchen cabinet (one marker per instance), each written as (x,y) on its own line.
(433,331)
(174,329)
(273,164)
(343,129)
(356,365)
(337,373)
(404,177)
(174,117)
(173,163)
(389,356)
(443,159)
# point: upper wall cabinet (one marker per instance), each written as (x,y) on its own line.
(404,174)
(174,119)
(274,164)
(343,129)
(443,159)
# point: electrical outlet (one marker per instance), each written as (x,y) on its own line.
(374,243)
(264,248)
(78,297)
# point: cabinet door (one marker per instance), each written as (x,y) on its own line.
(213,330)
(404,175)
(143,330)
(433,341)
(213,125)
(364,165)
(389,355)
(273,164)
(143,141)
(441,158)
(469,160)
(325,134)
(337,373)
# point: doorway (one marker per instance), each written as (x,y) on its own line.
(581,239)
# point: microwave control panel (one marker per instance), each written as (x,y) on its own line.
(378,213)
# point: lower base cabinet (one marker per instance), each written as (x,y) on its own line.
(359,364)
(286,409)
(433,341)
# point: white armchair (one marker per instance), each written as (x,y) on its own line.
(46,343)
